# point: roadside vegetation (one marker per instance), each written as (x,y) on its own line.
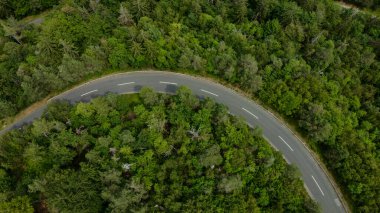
(146,152)
(22,8)
(312,61)
(369,6)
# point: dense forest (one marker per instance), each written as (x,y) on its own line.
(312,61)
(147,153)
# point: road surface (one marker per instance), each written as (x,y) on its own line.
(279,136)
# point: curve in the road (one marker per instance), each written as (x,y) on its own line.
(279,136)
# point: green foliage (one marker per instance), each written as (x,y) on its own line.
(314,62)
(143,153)
(18,204)
(68,190)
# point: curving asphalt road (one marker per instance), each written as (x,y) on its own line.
(280,137)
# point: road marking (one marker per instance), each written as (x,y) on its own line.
(287,161)
(165,82)
(250,113)
(286,143)
(125,83)
(318,186)
(308,191)
(89,92)
(337,202)
(209,92)
(126,93)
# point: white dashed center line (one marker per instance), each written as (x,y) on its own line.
(209,92)
(165,82)
(318,186)
(125,83)
(286,143)
(89,92)
(250,113)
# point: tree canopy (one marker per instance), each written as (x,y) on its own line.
(146,152)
